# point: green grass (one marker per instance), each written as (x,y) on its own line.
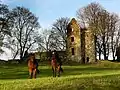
(104,75)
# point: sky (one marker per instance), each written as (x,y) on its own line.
(49,10)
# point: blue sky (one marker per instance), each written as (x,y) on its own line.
(50,10)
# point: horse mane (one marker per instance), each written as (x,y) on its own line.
(30,56)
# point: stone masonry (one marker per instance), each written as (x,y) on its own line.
(80,43)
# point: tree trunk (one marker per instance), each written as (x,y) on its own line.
(99,54)
(113,58)
(113,54)
(15,55)
(21,56)
(104,48)
(95,37)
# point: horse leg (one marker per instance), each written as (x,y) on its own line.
(53,71)
(58,70)
(30,73)
(34,73)
(37,71)
(61,70)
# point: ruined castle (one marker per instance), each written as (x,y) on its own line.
(80,43)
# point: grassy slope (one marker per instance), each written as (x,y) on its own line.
(102,76)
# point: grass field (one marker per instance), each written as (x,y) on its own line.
(104,75)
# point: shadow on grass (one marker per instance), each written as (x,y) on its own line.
(21,72)
(88,70)
(13,73)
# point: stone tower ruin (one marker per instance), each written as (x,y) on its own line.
(73,41)
(80,43)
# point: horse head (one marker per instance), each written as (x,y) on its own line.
(31,57)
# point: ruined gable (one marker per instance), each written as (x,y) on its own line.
(73,41)
(80,43)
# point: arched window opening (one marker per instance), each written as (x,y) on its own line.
(73,52)
(72,39)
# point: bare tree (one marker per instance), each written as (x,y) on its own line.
(103,27)
(44,40)
(24,30)
(59,33)
(89,16)
(108,24)
(56,42)
(97,18)
(4,24)
(114,33)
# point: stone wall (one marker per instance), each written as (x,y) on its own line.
(73,47)
(89,47)
(42,56)
(84,46)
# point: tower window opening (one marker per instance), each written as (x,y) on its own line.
(72,39)
(73,53)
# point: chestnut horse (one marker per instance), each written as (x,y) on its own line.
(32,66)
(55,67)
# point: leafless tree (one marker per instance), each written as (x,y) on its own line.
(44,40)
(89,16)
(98,19)
(59,33)
(103,27)
(24,30)
(4,24)
(114,33)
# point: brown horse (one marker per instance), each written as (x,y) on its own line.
(32,66)
(55,67)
